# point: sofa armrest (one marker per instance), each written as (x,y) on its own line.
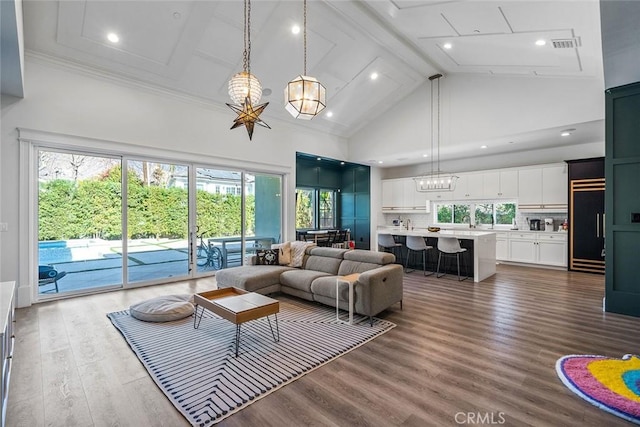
(379,288)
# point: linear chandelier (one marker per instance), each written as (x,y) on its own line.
(435,180)
(304,96)
(245,89)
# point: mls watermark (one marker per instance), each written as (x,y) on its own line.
(484,418)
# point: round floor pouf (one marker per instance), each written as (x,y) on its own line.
(163,309)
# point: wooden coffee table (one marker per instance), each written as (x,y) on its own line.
(237,306)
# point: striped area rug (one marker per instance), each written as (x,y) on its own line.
(197,368)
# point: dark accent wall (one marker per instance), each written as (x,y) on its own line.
(622,199)
(356,204)
(353,183)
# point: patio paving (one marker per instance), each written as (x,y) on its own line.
(145,262)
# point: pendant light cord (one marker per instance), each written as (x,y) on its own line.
(438,126)
(304,25)
(247,44)
(432,128)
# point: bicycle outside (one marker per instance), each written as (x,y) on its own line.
(207,254)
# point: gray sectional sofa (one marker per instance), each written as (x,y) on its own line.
(378,287)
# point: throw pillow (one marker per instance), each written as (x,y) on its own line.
(298,250)
(267,257)
(284,252)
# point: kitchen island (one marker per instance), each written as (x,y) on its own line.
(481,246)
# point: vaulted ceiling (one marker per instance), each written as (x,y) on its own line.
(194,47)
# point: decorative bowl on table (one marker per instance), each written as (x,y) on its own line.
(433,229)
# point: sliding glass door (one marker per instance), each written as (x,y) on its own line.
(157,221)
(89,239)
(79,222)
(218,219)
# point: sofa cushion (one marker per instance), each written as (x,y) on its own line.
(300,279)
(250,277)
(284,252)
(298,251)
(360,255)
(328,252)
(326,286)
(326,260)
(267,257)
(163,308)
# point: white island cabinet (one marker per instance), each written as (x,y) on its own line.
(484,247)
(7,309)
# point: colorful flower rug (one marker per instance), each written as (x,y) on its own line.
(610,384)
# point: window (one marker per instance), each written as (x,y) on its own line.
(327,209)
(505,213)
(452,214)
(315,208)
(305,208)
(482,214)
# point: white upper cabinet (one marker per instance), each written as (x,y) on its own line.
(543,188)
(469,186)
(491,185)
(400,195)
(530,186)
(554,185)
(500,184)
(508,184)
(387,194)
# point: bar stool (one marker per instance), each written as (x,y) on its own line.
(450,246)
(417,244)
(388,242)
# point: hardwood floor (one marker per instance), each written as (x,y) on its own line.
(458,348)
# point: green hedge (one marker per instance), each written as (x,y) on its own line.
(92,209)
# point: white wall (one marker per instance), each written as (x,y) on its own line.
(524,158)
(480,108)
(620,36)
(75,102)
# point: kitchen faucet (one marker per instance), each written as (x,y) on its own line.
(467,218)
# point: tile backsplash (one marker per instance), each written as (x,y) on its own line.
(423,220)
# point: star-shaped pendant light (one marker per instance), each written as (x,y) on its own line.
(248,115)
(246,86)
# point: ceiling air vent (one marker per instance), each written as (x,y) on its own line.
(566,43)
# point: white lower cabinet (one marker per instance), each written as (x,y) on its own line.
(534,248)
(502,246)
(552,249)
(522,247)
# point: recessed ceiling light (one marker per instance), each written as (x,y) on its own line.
(447,46)
(113,37)
(565,133)
(374,75)
(425,155)
(483,146)
(380,162)
(329,113)
(541,42)
(295,29)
